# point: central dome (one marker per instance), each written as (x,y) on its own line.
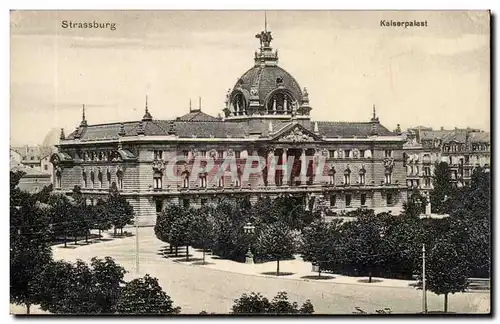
(266,89)
(271,78)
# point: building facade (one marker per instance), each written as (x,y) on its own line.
(462,149)
(265,145)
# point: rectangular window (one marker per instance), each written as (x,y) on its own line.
(185,203)
(221,181)
(331,153)
(203,153)
(388,153)
(158,155)
(120,182)
(427,182)
(157,182)
(203,181)
(363,199)
(185,153)
(362,153)
(45,167)
(220,154)
(347,153)
(389,199)
(159,206)
(237,154)
(333,200)
(203,201)
(348,200)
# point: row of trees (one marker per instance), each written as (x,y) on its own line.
(56,216)
(38,220)
(277,225)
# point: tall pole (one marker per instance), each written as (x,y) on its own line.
(136,244)
(424,293)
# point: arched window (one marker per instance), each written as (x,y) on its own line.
(221,181)
(362,173)
(99,179)
(108,178)
(388,176)
(203,180)
(347,176)
(237,181)
(92,178)
(280,103)
(331,175)
(157,180)
(185,179)
(119,177)
(239,105)
(84,178)
(58,179)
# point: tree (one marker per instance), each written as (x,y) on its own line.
(108,277)
(415,206)
(66,288)
(29,236)
(61,215)
(402,246)
(101,217)
(443,189)
(255,303)
(120,211)
(145,296)
(446,271)
(80,215)
(276,240)
(203,229)
(319,243)
(181,230)
(362,241)
(164,221)
(27,260)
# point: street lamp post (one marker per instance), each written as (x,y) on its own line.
(424,296)
(249,229)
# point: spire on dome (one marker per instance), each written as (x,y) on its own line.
(265,55)
(83,123)
(374,117)
(62,136)
(147,116)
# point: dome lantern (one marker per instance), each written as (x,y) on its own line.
(266,90)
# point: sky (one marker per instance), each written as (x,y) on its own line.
(436,76)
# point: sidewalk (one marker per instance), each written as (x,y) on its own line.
(298,269)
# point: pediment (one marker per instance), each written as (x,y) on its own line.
(296,133)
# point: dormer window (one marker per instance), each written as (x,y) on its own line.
(239,105)
(280,103)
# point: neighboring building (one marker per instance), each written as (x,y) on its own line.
(36,157)
(267,115)
(462,149)
(33,179)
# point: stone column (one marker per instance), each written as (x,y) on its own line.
(284,160)
(271,181)
(303,167)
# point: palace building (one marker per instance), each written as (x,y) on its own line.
(335,166)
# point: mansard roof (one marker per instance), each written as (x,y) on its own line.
(332,129)
(197,115)
(217,128)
